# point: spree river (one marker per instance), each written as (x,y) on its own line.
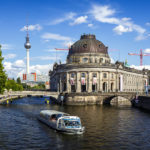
(106,127)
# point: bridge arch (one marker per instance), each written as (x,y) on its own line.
(118,99)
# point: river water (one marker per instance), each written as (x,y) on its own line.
(106,127)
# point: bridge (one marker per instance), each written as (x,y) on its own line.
(34,93)
(19,94)
(74,98)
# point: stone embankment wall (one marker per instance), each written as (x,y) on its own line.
(142,102)
(91,98)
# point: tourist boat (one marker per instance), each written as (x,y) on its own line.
(61,121)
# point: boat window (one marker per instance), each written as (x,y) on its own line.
(53,117)
(71,123)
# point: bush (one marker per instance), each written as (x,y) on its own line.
(11,84)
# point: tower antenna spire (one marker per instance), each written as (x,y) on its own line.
(27,45)
(27,30)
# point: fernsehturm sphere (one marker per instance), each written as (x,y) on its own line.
(27,45)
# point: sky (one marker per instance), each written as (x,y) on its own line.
(122,25)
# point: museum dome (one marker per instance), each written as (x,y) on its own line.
(88,44)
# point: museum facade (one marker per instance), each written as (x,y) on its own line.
(89,69)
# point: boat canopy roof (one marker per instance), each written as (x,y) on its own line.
(52,112)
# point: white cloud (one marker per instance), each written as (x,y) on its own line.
(32,28)
(69,16)
(40,69)
(13,68)
(6,46)
(141,67)
(79,20)
(54,51)
(90,25)
(19,64)
(44,58)
(147,50)
(120,29)
(105,14)
(52,36)
(148,23)
(9,56)
(112,60)
(68,44)
(17,68)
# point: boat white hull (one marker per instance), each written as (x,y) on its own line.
(53,125)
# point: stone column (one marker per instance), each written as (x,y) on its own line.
(109,76)
(78,83)
(97,81)
(117,81)
(89,82)
(68,84)
(60,84)
(100,81)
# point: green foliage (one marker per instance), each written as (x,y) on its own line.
(40,86)
(11,84)
(26,87)
(3,76)
(18,80)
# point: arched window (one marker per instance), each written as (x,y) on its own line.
(95,60)
(94,74)
(104,75)
(72,75)
(112,86)
(101,60)
(85,60)
(104,87)
(83,75)
(85,45)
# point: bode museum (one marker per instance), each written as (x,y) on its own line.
(88,71)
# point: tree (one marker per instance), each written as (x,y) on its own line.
(11,84)
(18,80)
(3,76)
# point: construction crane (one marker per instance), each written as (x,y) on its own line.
(62,49)
(141,56)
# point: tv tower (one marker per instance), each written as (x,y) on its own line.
(27,45)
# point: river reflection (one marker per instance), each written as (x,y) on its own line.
(106,127)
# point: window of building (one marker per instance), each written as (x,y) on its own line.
(101,60)
(104,75)
(64,76)
(85,45)
(72,75)
(112,75)
(95,60)
(94,74)
(64,87)
(85,60)
(104,87)
(83,75)
(100,45)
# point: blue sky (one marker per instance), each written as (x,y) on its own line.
(122,25)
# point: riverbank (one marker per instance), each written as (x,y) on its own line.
(6,99)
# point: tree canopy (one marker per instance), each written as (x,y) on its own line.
(11,84)
(3,76)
